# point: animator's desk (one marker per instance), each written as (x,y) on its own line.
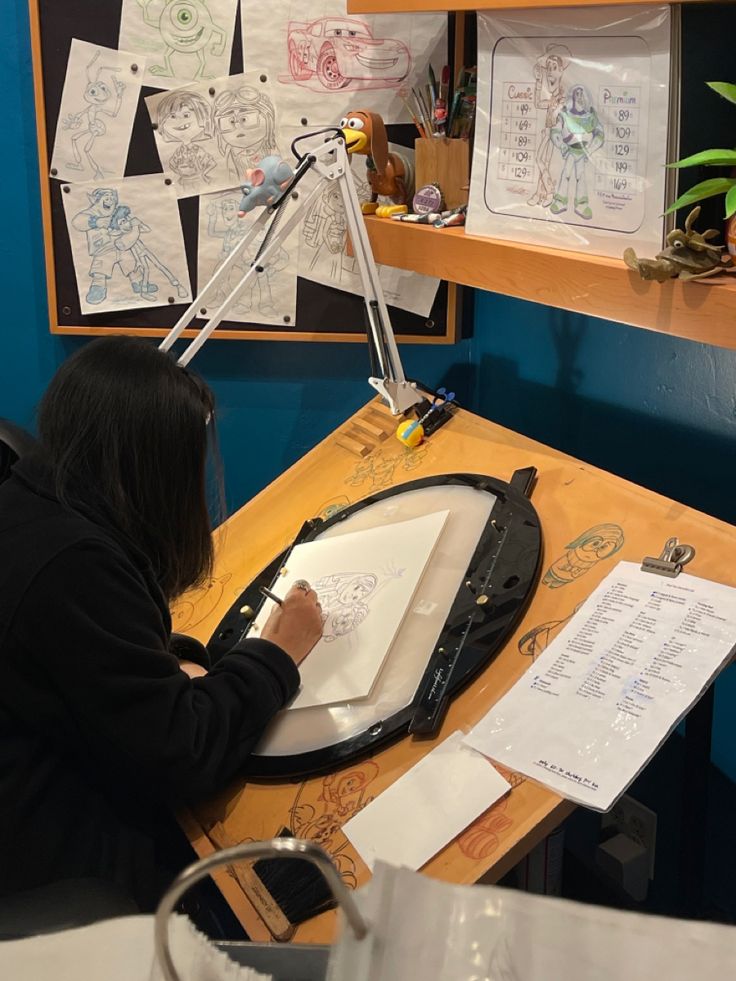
(590,520)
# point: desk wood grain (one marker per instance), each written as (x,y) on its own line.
(590,520)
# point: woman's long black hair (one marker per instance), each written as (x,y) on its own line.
(125,431)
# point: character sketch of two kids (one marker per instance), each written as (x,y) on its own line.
(114,242)
(572,127)
(241,120)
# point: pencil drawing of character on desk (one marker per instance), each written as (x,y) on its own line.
(549,94)
(346,600)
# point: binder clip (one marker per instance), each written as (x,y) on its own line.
(674,556)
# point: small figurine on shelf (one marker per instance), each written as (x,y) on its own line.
(389,174)
(264,183)
(688,255)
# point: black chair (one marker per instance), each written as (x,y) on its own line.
(15,442)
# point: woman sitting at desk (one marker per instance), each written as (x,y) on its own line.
(102,728)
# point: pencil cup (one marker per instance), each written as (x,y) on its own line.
(439,160)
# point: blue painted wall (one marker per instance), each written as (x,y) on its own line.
(659,411)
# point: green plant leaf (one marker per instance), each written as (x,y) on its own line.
(726,89)
(711,158)
(731,202)
(706,189)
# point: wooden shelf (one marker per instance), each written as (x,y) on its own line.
(424,6)
(589,284)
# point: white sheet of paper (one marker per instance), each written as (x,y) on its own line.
(98,106)
(572,128)
(365,581)
(127,243)
(323,254)
(208,134)
(427,807)
(595,706)
(324,62)
(183,40)
(269,298)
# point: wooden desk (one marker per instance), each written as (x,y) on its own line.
(590,520)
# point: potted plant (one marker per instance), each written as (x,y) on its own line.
(714,185)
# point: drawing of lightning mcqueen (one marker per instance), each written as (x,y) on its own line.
(340,50)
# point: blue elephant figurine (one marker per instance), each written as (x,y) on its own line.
(264,183)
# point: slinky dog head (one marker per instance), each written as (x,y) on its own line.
(365,133)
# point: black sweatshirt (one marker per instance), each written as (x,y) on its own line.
(100,730)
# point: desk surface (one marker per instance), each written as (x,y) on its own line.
(590,520)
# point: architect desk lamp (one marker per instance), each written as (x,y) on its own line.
(327,157)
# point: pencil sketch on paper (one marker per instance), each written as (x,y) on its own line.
(186,28)
(103,96)
(184,118)
(268,297)
(185,40)
(127,244)
(346,599)
(208,136)
(341,52)
(98,105)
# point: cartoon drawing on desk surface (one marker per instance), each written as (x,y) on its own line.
(592,546)
(534,641)
(378,469)
(210,133)
(98,105)
(320,50)
(127,244)
(572,151)
(186,40)
(267,298)
(481,839)
(197,604)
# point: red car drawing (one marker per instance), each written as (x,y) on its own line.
(340,50)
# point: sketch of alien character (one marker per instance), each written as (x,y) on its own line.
(577,134)
(103,245)
(103,98)
(549,94)
(186,28)
(184,118)
(245,128)
(585,551)
(131,229)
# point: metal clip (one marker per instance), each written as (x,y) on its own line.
(674,556)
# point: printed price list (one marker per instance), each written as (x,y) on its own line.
(516,161)
(617,163)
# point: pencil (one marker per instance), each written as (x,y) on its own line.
(272,596)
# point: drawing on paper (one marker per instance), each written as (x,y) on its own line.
(577,134)
(268,297)
(549,95)
(245,127)
(127,244)
(186,28)
(572,147)
(338,51)
(592,546)
(319,48)
(114,243)
(103,96)
(209,135)
(346,599)
(184,118)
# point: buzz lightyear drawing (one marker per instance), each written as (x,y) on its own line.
(577,134)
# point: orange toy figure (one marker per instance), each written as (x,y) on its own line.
(389,174)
